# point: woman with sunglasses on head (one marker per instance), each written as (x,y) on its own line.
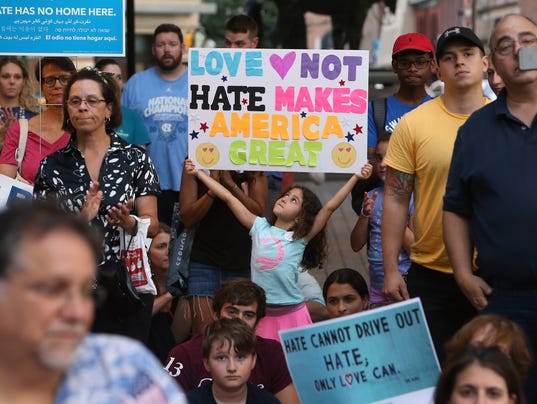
(107,181)
(44,134)
(17,99)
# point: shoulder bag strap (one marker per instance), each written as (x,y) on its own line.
(23,138)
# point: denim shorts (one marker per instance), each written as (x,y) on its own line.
(204,280)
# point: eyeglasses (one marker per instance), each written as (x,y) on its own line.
(61,294)
(405,64)
(506,46)
(162,45)
(50,81)
(91,102)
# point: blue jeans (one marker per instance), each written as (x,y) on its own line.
(446,308)
(519,306)
(204,280)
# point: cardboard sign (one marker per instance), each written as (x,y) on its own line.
(278,109)
(384,355)
(52,28)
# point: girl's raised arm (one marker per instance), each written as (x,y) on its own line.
(240,211)
(336,201)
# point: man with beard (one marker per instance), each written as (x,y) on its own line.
(47,275)
(159,94)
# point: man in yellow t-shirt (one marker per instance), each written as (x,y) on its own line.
(418,159)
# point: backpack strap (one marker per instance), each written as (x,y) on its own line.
(380,109)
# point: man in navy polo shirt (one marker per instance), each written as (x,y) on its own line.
(491,193)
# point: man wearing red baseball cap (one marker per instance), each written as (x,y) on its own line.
(413,62)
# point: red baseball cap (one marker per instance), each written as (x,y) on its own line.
(412,41)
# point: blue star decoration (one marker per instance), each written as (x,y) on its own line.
(303,114)
(194,134)
(224,78)
(350,137)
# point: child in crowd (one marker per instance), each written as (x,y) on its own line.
(229,356)
(367,228)
(345,292)
(293,237)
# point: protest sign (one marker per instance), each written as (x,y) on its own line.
(278,109)
(384,356)
(12,191)
(74,28)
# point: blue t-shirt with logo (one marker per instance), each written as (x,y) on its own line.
(395,110)
(163,105)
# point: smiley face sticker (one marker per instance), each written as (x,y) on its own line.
(207,154)
(344,155)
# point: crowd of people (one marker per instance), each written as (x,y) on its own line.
(438,212)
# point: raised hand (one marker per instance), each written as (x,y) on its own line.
(190,168)
(92,203)
(365,172)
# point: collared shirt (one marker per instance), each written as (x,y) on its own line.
(493,182)
(126,172)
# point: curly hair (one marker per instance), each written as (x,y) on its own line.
(109,90)
(27,99)
(315,252)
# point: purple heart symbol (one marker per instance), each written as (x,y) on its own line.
(282,65)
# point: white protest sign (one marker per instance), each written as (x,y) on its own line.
(278,109)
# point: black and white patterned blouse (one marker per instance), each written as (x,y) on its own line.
(127,172)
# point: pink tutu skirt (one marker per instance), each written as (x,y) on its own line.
(282,318)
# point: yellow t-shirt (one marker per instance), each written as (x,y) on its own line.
(422,144)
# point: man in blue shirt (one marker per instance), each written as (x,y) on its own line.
(160,96)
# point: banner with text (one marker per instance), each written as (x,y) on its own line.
(383,355)
(278,109)
(74,28)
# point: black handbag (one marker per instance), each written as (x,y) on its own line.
(120,294)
